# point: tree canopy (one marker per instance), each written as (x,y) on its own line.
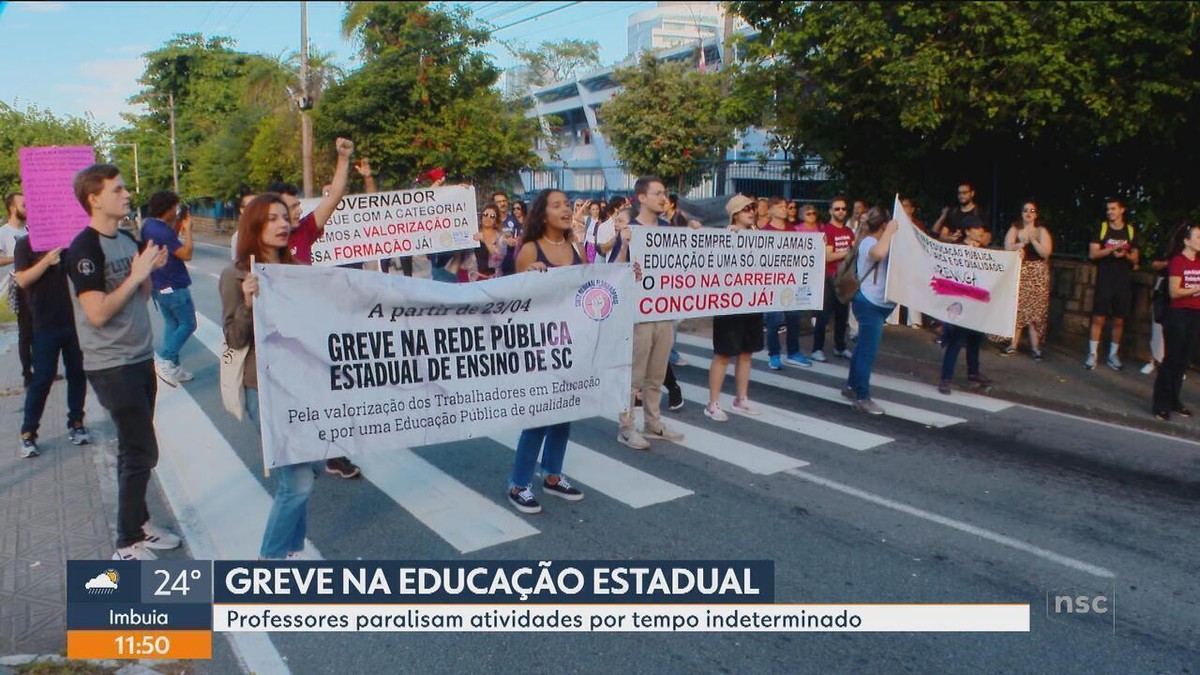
(1062,102)
(666,120)
(553,62)
(35,127)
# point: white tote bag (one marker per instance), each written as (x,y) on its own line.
(233,368)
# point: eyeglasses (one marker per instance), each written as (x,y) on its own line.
(748,208)
(809,213)
(1028,210)
(489,215)
(838,208)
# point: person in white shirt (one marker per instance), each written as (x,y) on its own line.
(10,232)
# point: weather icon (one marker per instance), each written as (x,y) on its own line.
(104,583)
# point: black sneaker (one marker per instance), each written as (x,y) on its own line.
(29,446)
(563,489)
(675,398)
(1037,355)
(341,466)
(523,501)
(1182,412)
(1162,416)
(980,379)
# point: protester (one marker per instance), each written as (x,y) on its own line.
(1181,326)
(949,225)
(1115,252)
(975,234)
(309,228)
(170,227)
(596,222)
(44,281)
(809,218)
(652,340)
(110,279)
(263,235)
(673,215)
(242,202)
(838,240)
(492,247)
(793,213)
(734,337)
(517,219)
(870,305)
(1159,267)
(790,318)
(1033,240)
(763,214)
(548,243)
(10,232)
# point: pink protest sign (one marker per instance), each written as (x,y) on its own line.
(53,215)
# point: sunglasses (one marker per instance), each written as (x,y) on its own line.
(809,213)
(838,208)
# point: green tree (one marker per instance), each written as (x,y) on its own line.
(556,61)
(36,127)
(424,97)
(1063,102)
(666,120)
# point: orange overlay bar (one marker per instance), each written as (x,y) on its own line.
(134,644)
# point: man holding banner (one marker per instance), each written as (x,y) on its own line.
(974,233)
(652,341)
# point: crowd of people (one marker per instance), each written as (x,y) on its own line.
(88,305)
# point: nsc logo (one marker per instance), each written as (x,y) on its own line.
(104,583)
(597,299)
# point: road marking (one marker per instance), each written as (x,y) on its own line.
(1111,425)
(959,525)
(610,476)
(752,458)
(802,424)
(898,410)
(924,390)
(462,517)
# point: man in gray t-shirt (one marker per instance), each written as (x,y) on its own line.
(110,282)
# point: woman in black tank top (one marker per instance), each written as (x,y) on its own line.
(1030,236)
(548,243)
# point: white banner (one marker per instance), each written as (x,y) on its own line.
(564,617)
(963,285)
(352,361)
(398,223)
(690,273)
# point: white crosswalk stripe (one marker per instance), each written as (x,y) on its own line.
(610,476)
(893,409)
(813,427)
(730,450)
(966,399)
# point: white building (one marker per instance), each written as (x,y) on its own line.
(674,24)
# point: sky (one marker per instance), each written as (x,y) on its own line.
(75,58)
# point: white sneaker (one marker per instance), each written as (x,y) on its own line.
(182,375)
(843,353)
(818,355)
(158,538)
(868,406)
(137,551)
(663,434)
(166,372)
(633,440)
(681,362)
(1114,363)
(714,413)
(743,406)
(1148,369)
(1090,363)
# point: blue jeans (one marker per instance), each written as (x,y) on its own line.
(555,437)
(47,345)
(870,333)
(443,275)
(179,321)
(955,336)
(773,321)
(287,524)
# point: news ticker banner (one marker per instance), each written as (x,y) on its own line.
(52,213)
(169,610)
(955,283)
(397,223)
(351,362)
(690,273)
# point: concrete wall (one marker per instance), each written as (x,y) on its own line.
(1072,284)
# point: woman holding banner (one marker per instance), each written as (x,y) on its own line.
(869,304)
(263,236)
(548,243)
(492,247)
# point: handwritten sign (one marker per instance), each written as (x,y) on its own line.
(53,214)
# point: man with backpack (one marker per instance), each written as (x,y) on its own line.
(1115,252)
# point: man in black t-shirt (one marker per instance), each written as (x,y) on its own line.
(950,226)
(1114,249)
(44,280)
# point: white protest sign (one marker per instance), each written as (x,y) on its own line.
(351,362)
(397,223)
(689,273)
(959,284)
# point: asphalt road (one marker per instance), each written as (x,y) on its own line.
(959,500)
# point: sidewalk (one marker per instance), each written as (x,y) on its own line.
(55,507)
